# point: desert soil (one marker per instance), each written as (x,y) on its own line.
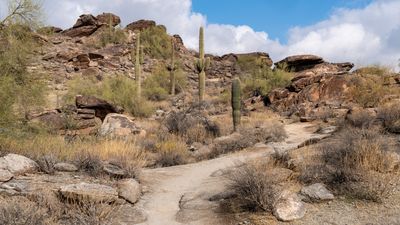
(180,194)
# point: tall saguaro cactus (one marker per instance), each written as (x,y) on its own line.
(235,101)
(201,65)
(172,67)
(138,61)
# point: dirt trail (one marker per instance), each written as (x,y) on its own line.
(169,187)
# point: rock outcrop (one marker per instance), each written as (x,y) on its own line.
(316,86)
(140,25)
(130,190)
(87,24)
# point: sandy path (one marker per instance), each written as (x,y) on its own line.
(167,186)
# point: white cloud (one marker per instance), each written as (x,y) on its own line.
(370,35)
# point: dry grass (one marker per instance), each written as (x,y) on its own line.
(192,124)
(49,211)
(88,153)
(171,152)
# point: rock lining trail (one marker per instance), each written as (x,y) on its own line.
(181,193)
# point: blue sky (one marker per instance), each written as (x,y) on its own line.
(275,17)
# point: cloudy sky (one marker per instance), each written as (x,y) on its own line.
(360,31)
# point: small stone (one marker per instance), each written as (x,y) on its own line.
(317,192)
(289,207)
(65,167)
(5,175)
(130,190)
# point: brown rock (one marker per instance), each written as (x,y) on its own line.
(141,25)
(106,18)
(83,192)
(80,31)
(101,107)
(17,164)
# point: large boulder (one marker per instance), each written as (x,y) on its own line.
(17,164)
(118,125)
(107,18)
(130,190)
(84,192)
(140,25)
(87,24)
(289,207)
(101,107)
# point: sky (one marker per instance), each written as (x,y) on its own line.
(364,32)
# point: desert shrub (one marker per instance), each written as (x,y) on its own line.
(370,86)
(156,86)
(112,36)
(265,80)
(118,89)
(90,163)
(361,118)
(191,124)
(171,152)
(360,164)
(46,163)
(390,116)
(156,42)
(256,186)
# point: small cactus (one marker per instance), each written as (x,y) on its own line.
(172,67)
(201,65)
(235,101)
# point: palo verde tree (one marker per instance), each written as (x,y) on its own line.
(20,90)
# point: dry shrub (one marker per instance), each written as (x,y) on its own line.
(257,185)
(192,124)
(361,118)
(46,163)
(390,116)
(358,163)
(370,86)
(172,152)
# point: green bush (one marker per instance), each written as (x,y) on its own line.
(264,80)
(112,36)
(156,42)
(21,91)
(156,86)
(118,89)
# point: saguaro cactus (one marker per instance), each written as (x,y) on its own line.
(201,65)
(138,61)
(172,67)
(235,101)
